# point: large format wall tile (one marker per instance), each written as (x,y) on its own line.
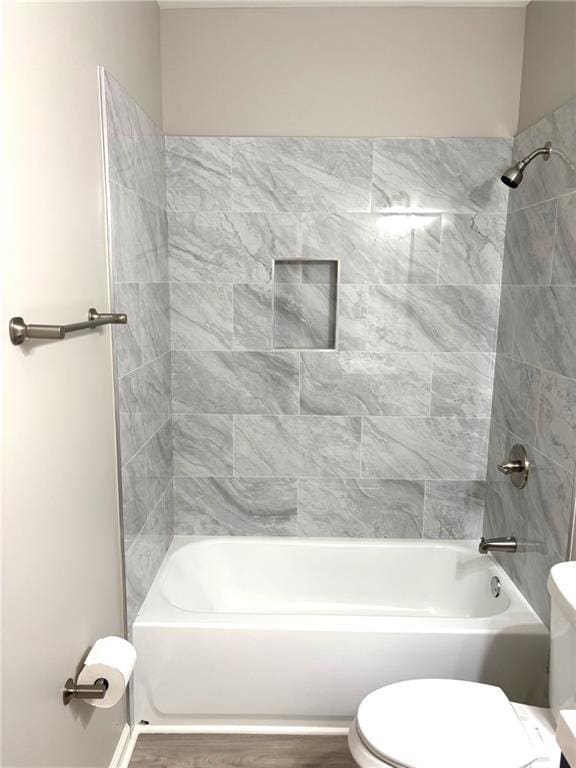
(202,445)
(229,247)
(364,383)
(376,248)
(202,316)
(433,448)
(155,318)
(472,249)
(544,332)
(450,175)
(252,312)
(454,509)
(297,446)
(235,506)
(143,406)
(360,508)
(135,226)
(439,318)
(292,174)
(462,385)
(529,245)
(556,428)
(516,392)
(564,267)
(198,173)
(235,382)
(127,338)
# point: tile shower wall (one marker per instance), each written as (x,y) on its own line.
(138,237)
(535,382)
(385,435)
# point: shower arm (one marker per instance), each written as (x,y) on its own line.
(546,150)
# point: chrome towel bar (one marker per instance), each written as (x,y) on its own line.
(20,331)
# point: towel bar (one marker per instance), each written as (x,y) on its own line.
(20,331)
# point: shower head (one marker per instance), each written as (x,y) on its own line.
(514,175)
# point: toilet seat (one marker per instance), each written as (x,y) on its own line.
(443,724)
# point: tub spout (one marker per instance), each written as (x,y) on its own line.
(502,544)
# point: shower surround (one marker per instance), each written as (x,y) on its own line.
(230,426)
(535,382)
(387,434)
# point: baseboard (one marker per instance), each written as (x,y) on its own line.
(124,748)
(256,730)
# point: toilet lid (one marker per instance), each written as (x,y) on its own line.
(444,724)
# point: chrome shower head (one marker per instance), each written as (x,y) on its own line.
(514,175)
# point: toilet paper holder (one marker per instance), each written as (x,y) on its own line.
(74,690)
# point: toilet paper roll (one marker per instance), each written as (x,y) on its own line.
(113,659)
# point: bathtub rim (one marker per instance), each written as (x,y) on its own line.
(519,617)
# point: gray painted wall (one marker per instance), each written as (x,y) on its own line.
(535,383)
(549,62)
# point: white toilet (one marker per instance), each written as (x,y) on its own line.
(458,724)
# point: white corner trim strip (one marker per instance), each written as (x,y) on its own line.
(124,748)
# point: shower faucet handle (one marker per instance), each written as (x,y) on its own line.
(516,467)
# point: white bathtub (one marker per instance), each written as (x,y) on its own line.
(279,630)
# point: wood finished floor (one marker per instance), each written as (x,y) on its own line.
(226,751)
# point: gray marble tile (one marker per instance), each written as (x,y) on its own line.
(252,316)
(506,319)
(564,266)
(556,176)
(134,240)
(142,407)
(472,248)
(299,174)
(427,318)
(462,385)
(296,446)
(445,175)
(144,558)
(287,271)
(375,248)
(545,328)
(360,508)
(454,509)
(515,399)
(364,383)
(134,497)
(529,245)
(201,316)
(127,338)
(150,176)
(169,511)
(304,316)
(352,316)
(556,427)
(425,448)
(155,314)
(198,173)
(202,445)
(235,382)
(119,133)
(236,506)
(162,241)
(159,464)
(229,248)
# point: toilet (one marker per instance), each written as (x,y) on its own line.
(457,724)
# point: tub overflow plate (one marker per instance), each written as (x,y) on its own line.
(495,586)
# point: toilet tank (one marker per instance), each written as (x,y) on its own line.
(562,588)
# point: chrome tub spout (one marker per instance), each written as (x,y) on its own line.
(502,544)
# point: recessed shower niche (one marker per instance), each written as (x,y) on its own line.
(305,301)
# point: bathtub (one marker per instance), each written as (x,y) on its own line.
(276,631)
